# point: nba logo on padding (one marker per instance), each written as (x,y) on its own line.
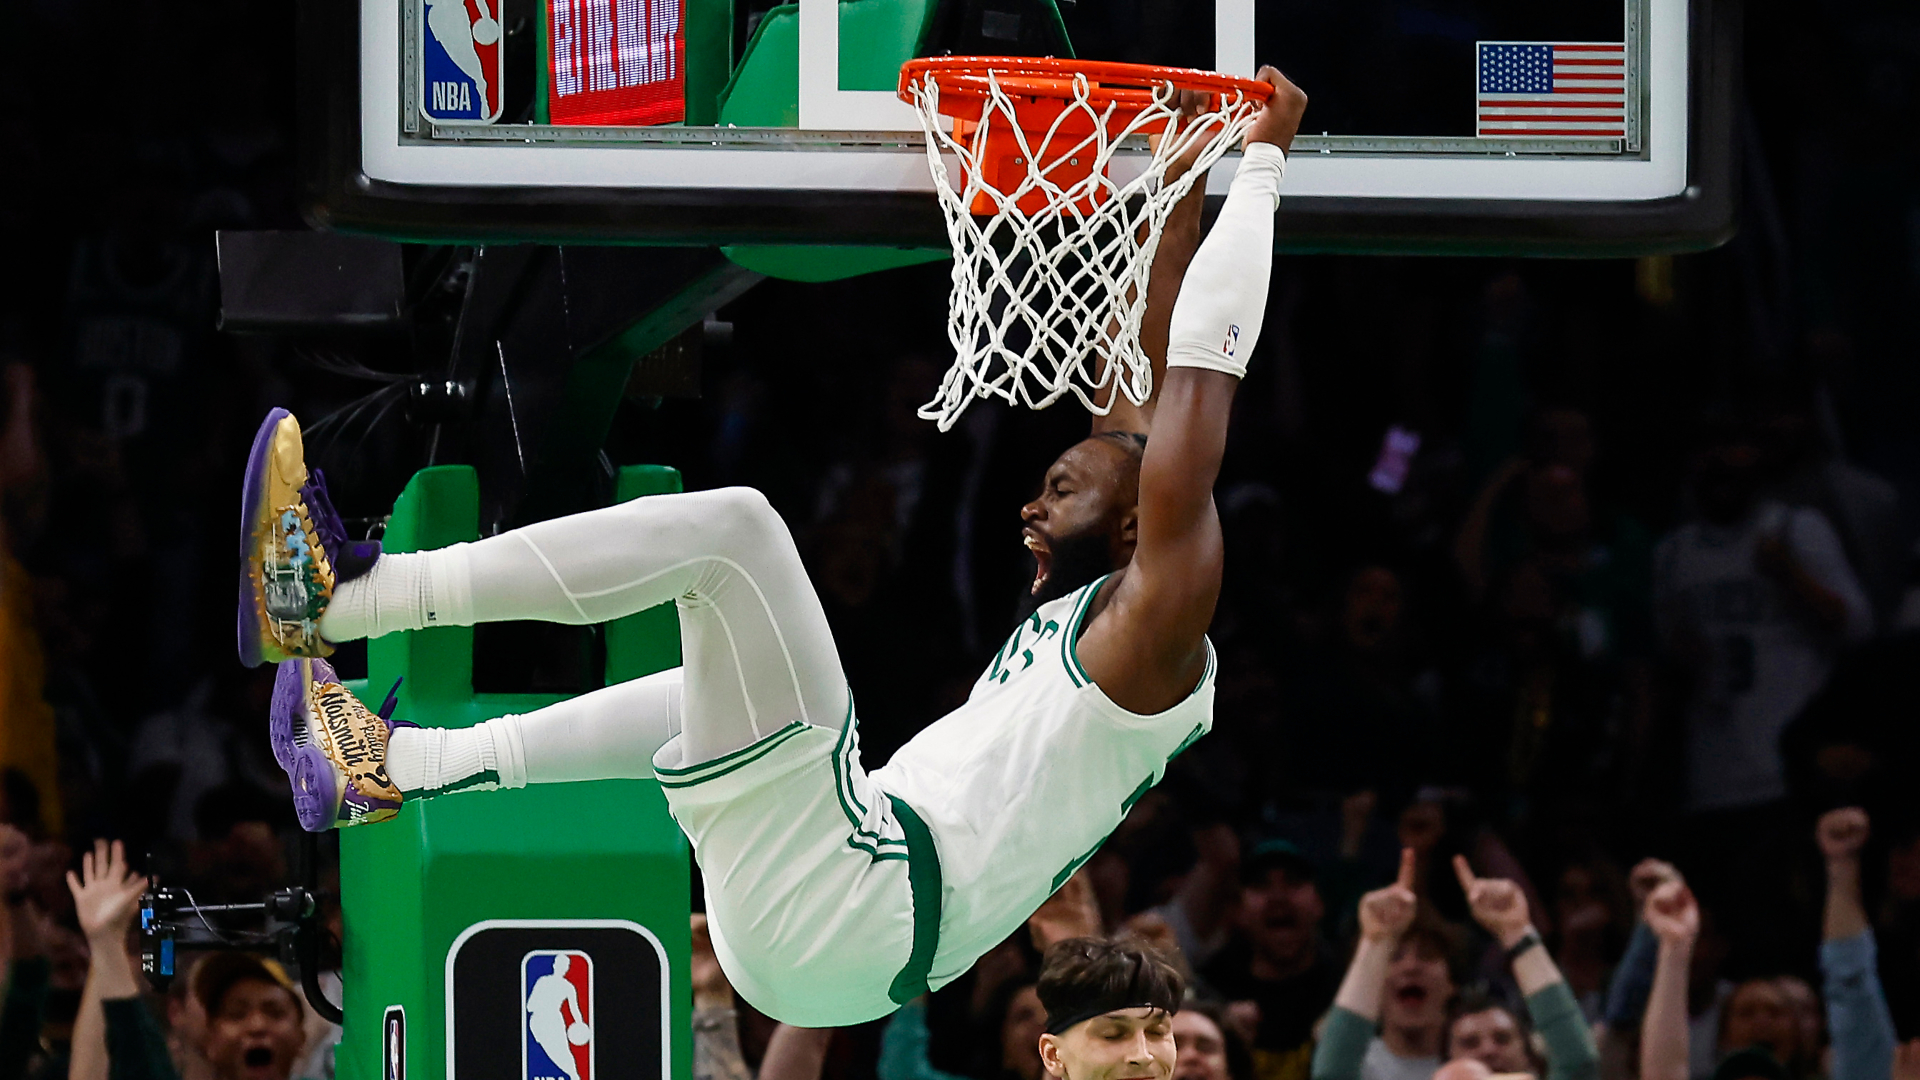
(556,1015)
(461,64)
(1232,342)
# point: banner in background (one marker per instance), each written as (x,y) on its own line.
(616,62)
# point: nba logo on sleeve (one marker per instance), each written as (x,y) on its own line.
(461,61)
(1233,341)
(557,1015)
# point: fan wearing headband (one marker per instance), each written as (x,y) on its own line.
(834,895)
(1110,1007)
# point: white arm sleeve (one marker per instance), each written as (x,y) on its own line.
(1217,317)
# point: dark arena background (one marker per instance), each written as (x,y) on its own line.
(1578,543)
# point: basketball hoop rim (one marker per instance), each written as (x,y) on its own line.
(966,79)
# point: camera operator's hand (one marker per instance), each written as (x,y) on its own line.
(106,895)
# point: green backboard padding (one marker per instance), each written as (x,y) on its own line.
(827,262)
(765,88)
(604,850)
(876,37)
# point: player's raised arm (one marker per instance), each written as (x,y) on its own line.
(1146,649)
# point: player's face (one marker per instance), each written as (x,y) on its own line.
(1081,525)
(255,1034)
(1130,1044)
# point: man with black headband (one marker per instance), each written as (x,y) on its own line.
(1110,1007)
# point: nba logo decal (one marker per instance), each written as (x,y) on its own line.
(558,999)
(461,63)
(393,1044)
(1232,342)
(557,1015)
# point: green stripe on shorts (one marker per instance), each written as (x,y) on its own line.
(923,876)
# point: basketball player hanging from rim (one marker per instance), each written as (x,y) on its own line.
(833,895)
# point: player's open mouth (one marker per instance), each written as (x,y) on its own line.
(1042,557)
(1411,995)
(258,1057)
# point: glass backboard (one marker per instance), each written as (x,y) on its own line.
(1580,127)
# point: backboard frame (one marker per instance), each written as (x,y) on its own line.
(344,189)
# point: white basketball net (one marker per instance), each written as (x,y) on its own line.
(1050,303)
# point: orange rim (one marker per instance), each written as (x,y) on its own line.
(966,79)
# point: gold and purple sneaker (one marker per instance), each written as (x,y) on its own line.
(293,549)
(333,748)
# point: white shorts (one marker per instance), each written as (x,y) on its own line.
(813,876)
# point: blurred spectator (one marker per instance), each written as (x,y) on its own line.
(1399,983)
(1589,903)
(1207,1046)
(1277,960)
(26,720)
(254,1014)
(1673,919)
(792,1053)
(114,1033)
(1857,1017)
(1754,601)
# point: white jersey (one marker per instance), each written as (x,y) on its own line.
(1763,661)
(835,896)
(1024,782)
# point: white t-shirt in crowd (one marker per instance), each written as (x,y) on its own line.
(1383,1064)
(1764,659)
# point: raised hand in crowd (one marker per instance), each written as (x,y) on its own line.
(106,897)
(1858,1021)
(1501,908)
(1673,916)
(711,990)
(1906,1061)
(1498,905)
(716,1028)
(1072,911)
(1648,875)
(1385,915)
(1841,834)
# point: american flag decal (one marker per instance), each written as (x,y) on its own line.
(1551,89)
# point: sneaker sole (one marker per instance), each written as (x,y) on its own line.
(265,487)
(253,494)
(297,733)
(316,788)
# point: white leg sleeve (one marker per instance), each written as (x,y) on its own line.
(1223,300)
(609,734)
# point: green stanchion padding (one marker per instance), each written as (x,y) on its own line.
(565,853)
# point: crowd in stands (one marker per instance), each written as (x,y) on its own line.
(1567,711)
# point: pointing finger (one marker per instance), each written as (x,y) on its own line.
(1464,872)
(1405,880)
